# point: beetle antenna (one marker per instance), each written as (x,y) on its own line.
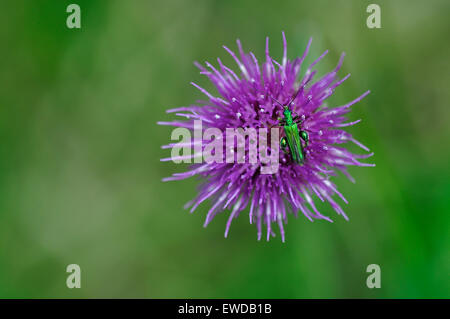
(292,100)
(275,100)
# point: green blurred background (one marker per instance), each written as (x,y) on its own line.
(80,176)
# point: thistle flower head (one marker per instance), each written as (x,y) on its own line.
(249,100)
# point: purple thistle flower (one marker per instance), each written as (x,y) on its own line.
(246,102)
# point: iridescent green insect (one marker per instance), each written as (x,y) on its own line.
(291,142)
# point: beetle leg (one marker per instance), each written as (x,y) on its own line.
(304,135)
(281,121)
(298,120)
(283,144)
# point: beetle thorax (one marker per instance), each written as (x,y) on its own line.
(288,116)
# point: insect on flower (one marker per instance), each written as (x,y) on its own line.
(311,144)
(292,133)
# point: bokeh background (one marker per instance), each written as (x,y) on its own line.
(80,176)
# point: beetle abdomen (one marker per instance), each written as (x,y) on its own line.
(294,143)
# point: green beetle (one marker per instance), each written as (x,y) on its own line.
(291,141)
